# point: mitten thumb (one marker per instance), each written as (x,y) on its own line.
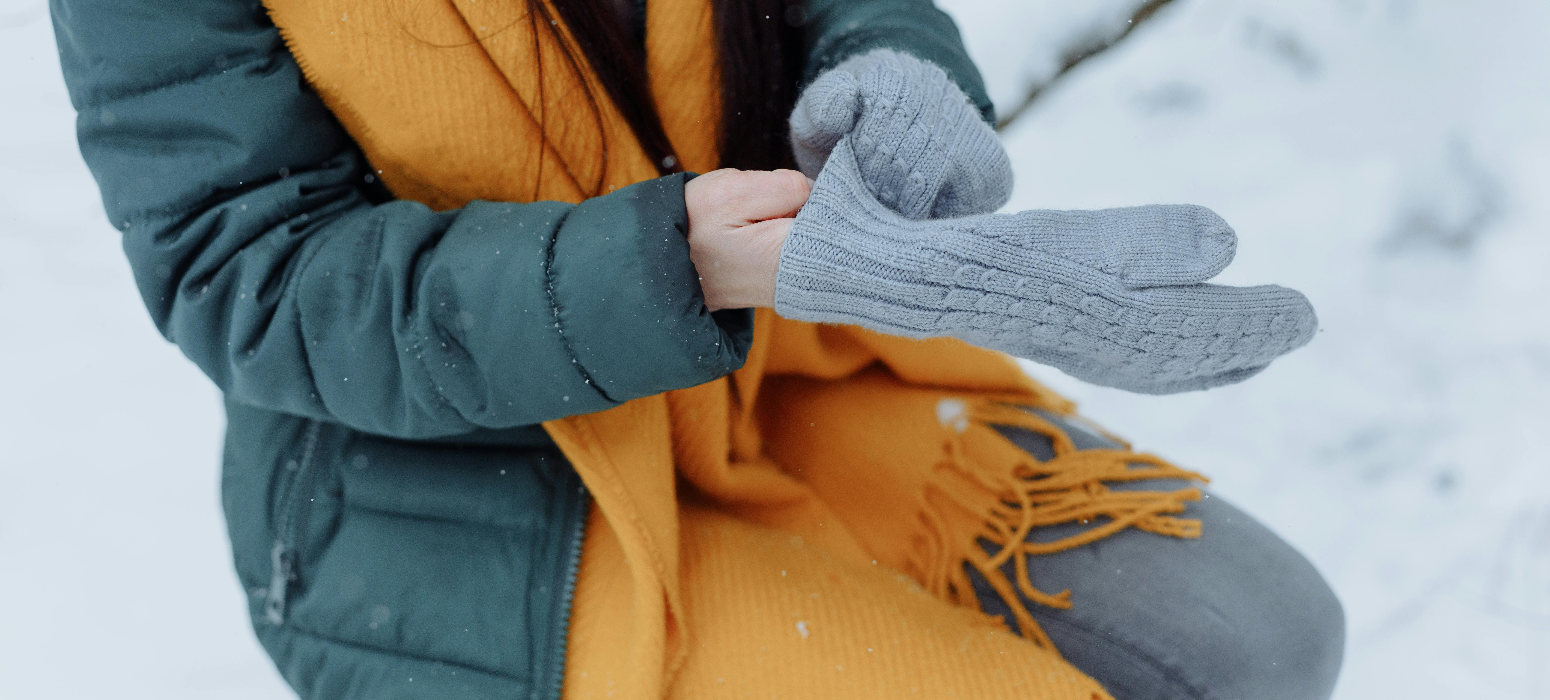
(826,111)
(1169,244)
(1157,245)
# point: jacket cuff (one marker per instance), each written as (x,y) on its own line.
(628,301)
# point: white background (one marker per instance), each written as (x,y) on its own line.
(1390,158)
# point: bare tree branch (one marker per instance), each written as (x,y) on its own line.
(1078,55)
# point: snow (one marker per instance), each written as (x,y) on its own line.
(1389,158)
(115,578)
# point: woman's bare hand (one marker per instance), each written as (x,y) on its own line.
(738,221)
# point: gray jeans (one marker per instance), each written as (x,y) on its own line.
(1235,615)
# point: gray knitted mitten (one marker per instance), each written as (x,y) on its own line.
(1112,297)
(923,148)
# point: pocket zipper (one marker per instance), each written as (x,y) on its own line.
(289,509)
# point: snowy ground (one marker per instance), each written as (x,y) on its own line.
(1390,158)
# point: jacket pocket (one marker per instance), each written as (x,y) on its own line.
(292,506)
(452,554)
(373,561)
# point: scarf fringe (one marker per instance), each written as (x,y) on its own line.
(1069,488)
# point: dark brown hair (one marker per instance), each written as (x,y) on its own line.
(760,52)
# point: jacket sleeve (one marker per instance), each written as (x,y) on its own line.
(264,248)
(838,29)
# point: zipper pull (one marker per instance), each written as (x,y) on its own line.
(280,577)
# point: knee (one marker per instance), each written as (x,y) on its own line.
(1266,625)
(1235,614)
(1290,641)
(1272,632)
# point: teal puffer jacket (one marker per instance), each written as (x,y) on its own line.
(404,527)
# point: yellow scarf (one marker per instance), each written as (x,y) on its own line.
(835,457)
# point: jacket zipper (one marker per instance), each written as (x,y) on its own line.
(289,509)
(576,520)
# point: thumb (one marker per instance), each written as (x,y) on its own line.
(1169,244)
(826,111)
(1151,246)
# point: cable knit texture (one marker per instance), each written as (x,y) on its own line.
(920,142)
(1112,297)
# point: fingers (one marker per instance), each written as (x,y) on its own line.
(1256,324)
(1159,340)
(738,222)
(758,195)
(979,180)
(1188,338)
(733,198)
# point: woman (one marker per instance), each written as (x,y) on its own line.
(501,422)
